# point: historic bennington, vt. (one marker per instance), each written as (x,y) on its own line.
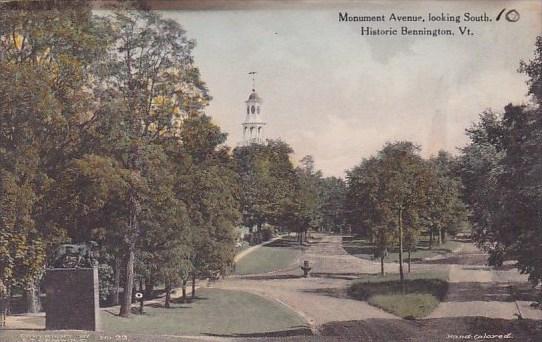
(259,170)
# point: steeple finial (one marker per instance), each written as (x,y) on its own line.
(252,73)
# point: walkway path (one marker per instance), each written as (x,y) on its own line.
(322,298)
(475,289)
(479,290)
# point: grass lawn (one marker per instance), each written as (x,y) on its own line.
(275,256)
(214,312)
(362,248)
(423,292)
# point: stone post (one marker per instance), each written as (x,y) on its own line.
(72,299)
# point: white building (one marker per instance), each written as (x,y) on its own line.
(253,126)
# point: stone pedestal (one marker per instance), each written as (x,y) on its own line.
(72,301)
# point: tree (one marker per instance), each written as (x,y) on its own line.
(309,194)
(389,191)
(445,209)
(533,69)
(209,185)
(405,182)
(479,174)
(268,182)
(333,201)
(103,137)
(502,175)
(150,82)
(44,59)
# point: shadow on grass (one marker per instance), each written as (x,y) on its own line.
(294,331)
(271,277)
(355,245)
(328,292)
(285,243)
(342,276)
(501,292)
(435,329)
(361,247)
(366,289)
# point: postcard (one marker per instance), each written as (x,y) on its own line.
(269,170)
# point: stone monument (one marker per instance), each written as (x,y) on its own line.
(72,290)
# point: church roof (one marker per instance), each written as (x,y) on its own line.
(254,96)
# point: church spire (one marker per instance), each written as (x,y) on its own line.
(253,74)
(253,126)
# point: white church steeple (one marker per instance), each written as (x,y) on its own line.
(253,126)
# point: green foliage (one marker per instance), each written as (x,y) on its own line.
(387,195)
(332,204)
(533,69)
(502,172)
(445,210)
(268,183)
(44,56)
(103,137)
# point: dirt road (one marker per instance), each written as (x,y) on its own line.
(475,290)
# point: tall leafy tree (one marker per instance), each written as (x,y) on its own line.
(268,182)
(445,208)
(390,191)
(309,194)
(501,171)
(150,84)
(45,59)
(209,185)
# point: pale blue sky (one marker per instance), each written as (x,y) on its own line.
(332,93)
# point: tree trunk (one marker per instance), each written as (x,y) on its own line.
(431,238)
(401,250)
(444,235)
(116,281)
(439,236)
(193,285)
(409,260)
(184,290)
(134,291)
(126,303)
(8,300)
(168,294)
(382,264)
(149,287)
(32,299)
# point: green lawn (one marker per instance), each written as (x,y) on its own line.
(423,292)
(278,255)
(215,312)
(362,248)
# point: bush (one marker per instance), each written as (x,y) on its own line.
(421,295)
(365,290)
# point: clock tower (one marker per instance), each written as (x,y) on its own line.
(253,125)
